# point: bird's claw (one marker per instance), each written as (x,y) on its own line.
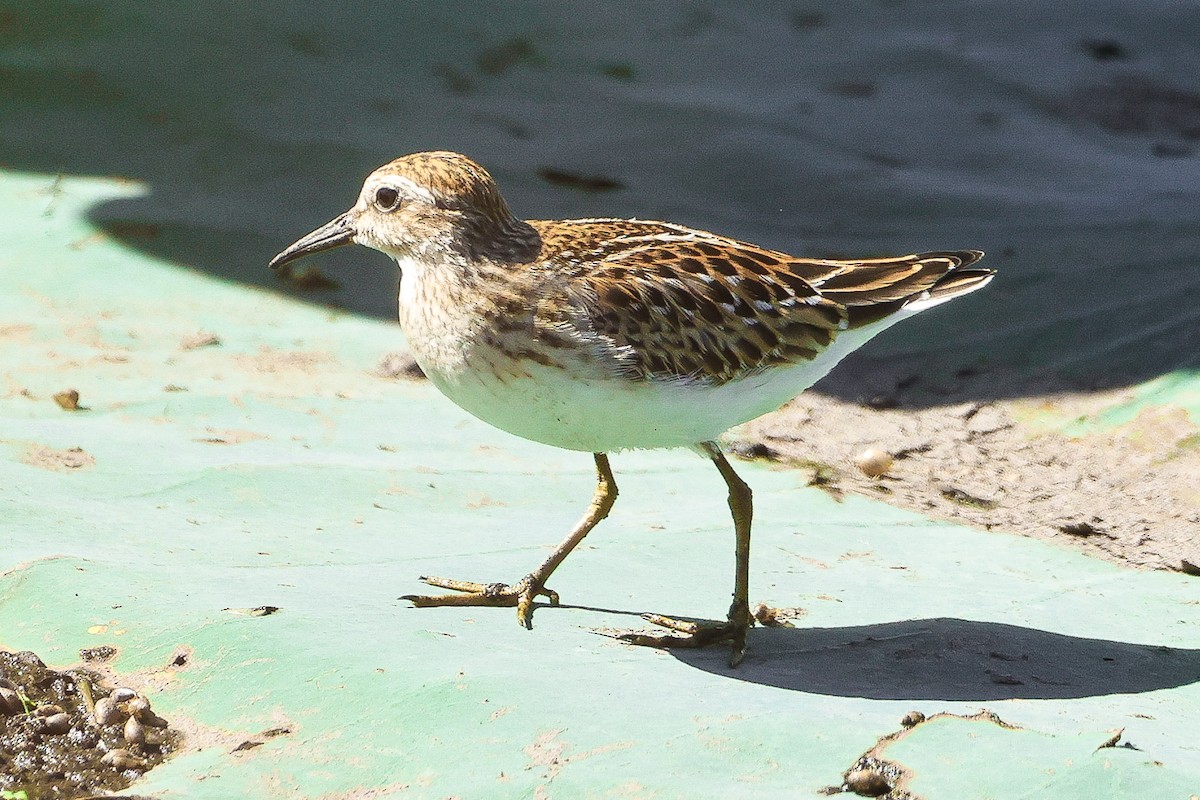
(521,595)
(692,634)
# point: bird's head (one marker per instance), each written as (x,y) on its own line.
(423,206)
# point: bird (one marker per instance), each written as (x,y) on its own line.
(601,335)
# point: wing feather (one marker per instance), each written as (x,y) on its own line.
(665,302)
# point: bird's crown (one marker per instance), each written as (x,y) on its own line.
(448,180)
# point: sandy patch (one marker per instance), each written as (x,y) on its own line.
(1132,496)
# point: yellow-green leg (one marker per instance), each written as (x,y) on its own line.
(525,591)
(739,621)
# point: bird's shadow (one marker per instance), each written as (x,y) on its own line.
(949,659)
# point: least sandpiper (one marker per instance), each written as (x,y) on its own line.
(600,335)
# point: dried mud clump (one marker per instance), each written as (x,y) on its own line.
(65,735)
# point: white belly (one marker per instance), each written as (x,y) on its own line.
(605,414)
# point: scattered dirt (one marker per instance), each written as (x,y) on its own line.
(67,735)
(270,733)
(1132,496)
(102,652)
(874,776)
(551,754)
(270,360)
(231,436)
(194,341)
(72,458)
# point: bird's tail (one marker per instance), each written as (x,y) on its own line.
(960,280)
(874,290)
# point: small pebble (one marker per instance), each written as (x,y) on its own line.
(137,706)
(766,615)
(106,712)
(57,723)
(10,702)
(121,760)
(912,718)
(68,400)
(873,462)
(48,710)
(776,617)
(867,783)
(134,732)
(122,694)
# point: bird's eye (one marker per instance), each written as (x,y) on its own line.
(387,198)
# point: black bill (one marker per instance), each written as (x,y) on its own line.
(330,235)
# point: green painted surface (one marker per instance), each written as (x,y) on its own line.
(972,759)
(331,489)
(1174,390)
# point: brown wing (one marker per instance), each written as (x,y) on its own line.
(871,289)
(673,303)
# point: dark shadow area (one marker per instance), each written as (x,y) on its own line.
(950,659)
(854,131)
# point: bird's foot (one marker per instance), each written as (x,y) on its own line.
(689,634)
(521,595)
